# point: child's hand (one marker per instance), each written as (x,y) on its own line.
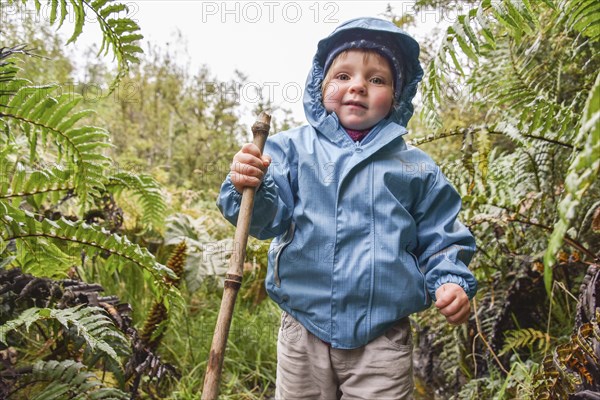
(453,303)
(248,167)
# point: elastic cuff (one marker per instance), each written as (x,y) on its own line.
(233,193)
(451,279)
(267,183)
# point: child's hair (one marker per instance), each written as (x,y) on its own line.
(367,53)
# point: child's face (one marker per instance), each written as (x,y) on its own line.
(360,90)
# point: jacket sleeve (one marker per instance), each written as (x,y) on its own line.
(273,201)
(445,246)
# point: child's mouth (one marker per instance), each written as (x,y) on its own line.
(355,103)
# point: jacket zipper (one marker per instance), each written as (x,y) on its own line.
(287,239)
(416,260)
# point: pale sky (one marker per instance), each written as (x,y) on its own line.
(272,42)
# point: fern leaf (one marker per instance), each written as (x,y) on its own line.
(53,9)
(505,19)
(147,191)
(482,30)
(98,4)
(89,323)
(67,103)
(63,12)
(21,225)
(69,122)
(485,27)
(517,339)
(35,111)
(582,172)
(111,9)
(584,17)
(470,34)
(131,38)
(40,256)
(69,379)
(28,97)
(79,19)
(460,30)
(112,26)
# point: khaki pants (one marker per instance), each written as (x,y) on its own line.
(308,368)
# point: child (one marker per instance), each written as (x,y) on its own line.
(365,226)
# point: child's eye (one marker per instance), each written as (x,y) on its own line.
(377,80)
(342,77)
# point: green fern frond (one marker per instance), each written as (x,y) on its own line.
(517,339)
(21,225)
(69,379)
(452,357)
(54,181)
(584,17)
(534,95)
(89,323)
(509,32)
(148,192)
(19,182)
(40,256)
(582,173)
(40,116)
(8,72)
(519,83)
(120,34)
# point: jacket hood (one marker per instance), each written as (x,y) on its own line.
(374,29)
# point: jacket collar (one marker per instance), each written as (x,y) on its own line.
(379,136)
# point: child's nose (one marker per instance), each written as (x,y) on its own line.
(358,85)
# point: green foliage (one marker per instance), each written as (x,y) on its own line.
(516,385)
(517,339)
(250,361)
(8,69)
(535,94)
(119,34)
(516,83)
(32,111)
(148,192)
(68,379)
(583,173)
(69,327)
(180,126)
(573,366)
(583,16)
(89,323)
(525,118)
(57,211)
(23,225)
(65,158)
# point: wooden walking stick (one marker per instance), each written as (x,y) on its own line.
(233,278)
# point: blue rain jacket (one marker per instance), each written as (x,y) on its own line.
(364,232)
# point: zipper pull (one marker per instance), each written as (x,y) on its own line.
(357,147)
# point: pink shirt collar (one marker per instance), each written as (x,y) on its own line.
(357,135)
